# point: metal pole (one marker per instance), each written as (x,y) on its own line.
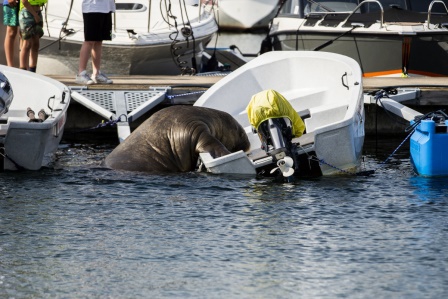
(149,14)
(115,18)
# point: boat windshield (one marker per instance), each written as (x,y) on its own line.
(305,7)
(329,5)
(413,5)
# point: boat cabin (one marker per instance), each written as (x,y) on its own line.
(307,7)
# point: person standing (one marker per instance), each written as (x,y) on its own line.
(97,16)
(11,21)
(30,22)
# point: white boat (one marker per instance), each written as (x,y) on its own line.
(244,15)
(325,89)
(25,144)
(149,37)
(386,37)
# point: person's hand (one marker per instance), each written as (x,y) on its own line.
(13,3)
(37,19)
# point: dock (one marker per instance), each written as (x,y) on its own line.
(84,123)
(135,82)
(140,81)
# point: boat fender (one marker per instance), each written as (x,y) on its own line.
(6,94)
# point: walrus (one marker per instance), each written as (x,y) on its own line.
(171,139)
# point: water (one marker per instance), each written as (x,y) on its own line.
(80,231)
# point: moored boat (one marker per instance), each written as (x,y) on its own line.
(324,89)
(386,37)
(149,37)
(245,15)
(28,142)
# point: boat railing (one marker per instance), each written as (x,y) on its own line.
(430,10)
(368,1)
(149,14)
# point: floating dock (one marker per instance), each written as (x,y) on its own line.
(134,98)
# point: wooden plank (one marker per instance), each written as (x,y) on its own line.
(143,82)
(434,89)
(421,82)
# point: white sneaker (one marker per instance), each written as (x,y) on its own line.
(83,78)
(102,79)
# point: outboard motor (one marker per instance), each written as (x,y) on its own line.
(276,123)
(6,94)
(276,139)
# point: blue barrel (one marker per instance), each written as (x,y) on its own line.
(429,148)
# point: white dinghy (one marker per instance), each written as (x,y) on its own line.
(149,37)
(30,143)
(325,89)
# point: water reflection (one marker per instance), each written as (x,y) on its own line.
(429,190)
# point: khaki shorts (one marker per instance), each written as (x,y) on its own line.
(28,26)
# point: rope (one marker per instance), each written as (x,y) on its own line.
(109,123)
(214,74)
(5,156)
(435,115)
(359,173)
(177,51)
(184,94)
(322,161)
(398,147)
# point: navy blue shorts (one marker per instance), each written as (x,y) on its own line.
(97,26)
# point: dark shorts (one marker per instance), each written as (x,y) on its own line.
(28,26)
(10,16)
(97,26)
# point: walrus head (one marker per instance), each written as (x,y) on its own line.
(224,128)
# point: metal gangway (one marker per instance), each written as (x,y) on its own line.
(115,105)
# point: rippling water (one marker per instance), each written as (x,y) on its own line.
(79,231)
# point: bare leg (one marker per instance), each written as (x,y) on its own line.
(84,55)
(11,33)
(25,53)
(34,52)
(96,57)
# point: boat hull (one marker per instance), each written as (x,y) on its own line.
(377,55)
(148,38)
(386,40)
(32,145)
(63,58)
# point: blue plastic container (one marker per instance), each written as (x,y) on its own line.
(429,148)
